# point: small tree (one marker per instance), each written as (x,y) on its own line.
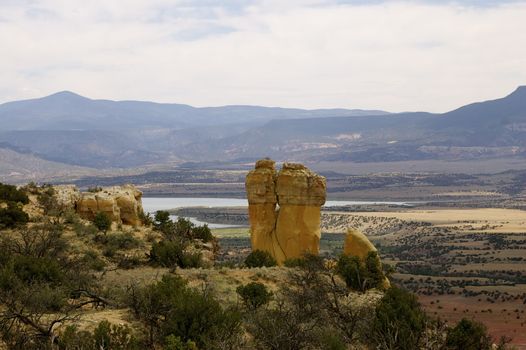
(102,221)
(161,218)
(9,193)
(361,275)
(468,335)
(12,216)
(399,321)
(260,258)
(254,295)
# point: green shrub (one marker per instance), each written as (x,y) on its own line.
(203,233)
(92,261)
(254,295)
(12,216)
(179,315)
(172,253)
(102,222)
(361,275)
(294,262)
(468,335)
(172,342)
(399,321)
(118,241)
(84,230)
(105,336)
(260,258)
(9,193)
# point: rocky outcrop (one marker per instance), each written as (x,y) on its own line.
(293,228)
(122,204)
(357,244)
(67,195)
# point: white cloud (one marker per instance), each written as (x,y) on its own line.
(317,53)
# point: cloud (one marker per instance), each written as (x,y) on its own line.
(394,55)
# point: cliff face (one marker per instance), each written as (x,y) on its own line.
(294,228)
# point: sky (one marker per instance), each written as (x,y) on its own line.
(391,55)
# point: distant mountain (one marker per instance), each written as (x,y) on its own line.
(71,129)
(16,166)
(69,111)
(494,128)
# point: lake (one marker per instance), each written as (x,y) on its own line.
(153,204)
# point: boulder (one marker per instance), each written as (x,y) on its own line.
(357,244)
(294,228)
(122,204)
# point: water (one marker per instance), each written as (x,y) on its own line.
(153,204)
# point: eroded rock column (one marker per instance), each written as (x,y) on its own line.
(301,193)
(285,209)
(261,194)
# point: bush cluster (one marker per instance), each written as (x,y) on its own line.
(361,275)
(254,295)
(260,258)
(175,248)
(176,314)
(11,202)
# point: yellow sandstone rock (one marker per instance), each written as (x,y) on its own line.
(294,228)
(301,193)
(357,244)
(122,204)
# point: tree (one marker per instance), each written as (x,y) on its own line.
(161,219)
(468,335)
(313,311)
(9,193)
(361,275)
(171,310)
(41,287)
(260,258)
(102,221)
(12,216)
(399,321)
(254,295)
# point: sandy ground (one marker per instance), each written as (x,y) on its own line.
(507,220)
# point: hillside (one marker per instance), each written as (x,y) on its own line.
(488,129)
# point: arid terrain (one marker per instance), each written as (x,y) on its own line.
(459,261)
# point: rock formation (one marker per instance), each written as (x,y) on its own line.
(122,204)
(293,228)
(357,244)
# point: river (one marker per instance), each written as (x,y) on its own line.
(153,204)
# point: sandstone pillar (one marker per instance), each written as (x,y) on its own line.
(293,228)
(262,200)
(301,193)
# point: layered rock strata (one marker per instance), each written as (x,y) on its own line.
(285,209)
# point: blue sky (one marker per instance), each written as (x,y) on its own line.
(392,55)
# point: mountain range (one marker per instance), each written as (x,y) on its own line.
(68,129)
